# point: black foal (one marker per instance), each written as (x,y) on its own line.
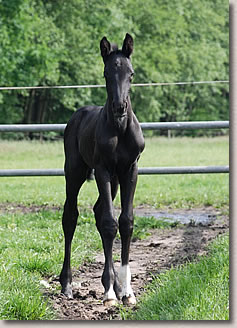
(109,140)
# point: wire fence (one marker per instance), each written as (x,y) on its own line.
(103,85)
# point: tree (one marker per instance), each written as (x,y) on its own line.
(57,43)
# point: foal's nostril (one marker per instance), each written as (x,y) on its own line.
(120,107)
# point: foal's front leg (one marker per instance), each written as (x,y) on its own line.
(74,181)
(107,227)
(127,185)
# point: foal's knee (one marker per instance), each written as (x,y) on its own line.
(107,227)
(70,214)
(126,225)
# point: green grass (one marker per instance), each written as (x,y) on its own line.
(32,243)
(194,291)
(32,247)
(189,190)
(35,241)
(21,297)
(159,191)
(142,225)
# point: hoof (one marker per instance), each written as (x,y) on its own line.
(67,291)
(109,303)
(129,300)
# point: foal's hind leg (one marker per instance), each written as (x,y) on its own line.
(127,185)
(74,179)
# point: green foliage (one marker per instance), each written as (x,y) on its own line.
(57,43)
(194,291)
(180,42)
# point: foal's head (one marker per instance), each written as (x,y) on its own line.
(118,73)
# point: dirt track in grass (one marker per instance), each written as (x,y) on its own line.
(163,249)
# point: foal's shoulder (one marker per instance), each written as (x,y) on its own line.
(88,109)
(83,112)
(82,116)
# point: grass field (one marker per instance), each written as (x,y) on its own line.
(158,191)
(194,291)
(31,243)
(32,247)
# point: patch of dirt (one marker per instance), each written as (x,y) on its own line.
(163,249)
(21,208)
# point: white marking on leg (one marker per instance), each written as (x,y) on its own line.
(125,279)
(110,295)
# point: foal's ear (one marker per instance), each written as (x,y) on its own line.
(127,45)
(105,48)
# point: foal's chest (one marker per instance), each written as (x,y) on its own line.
(120,151)
(128,151)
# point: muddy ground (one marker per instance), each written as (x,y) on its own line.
(161,250)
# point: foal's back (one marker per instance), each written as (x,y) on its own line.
(79,135)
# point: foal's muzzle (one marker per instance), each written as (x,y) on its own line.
(120,109)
